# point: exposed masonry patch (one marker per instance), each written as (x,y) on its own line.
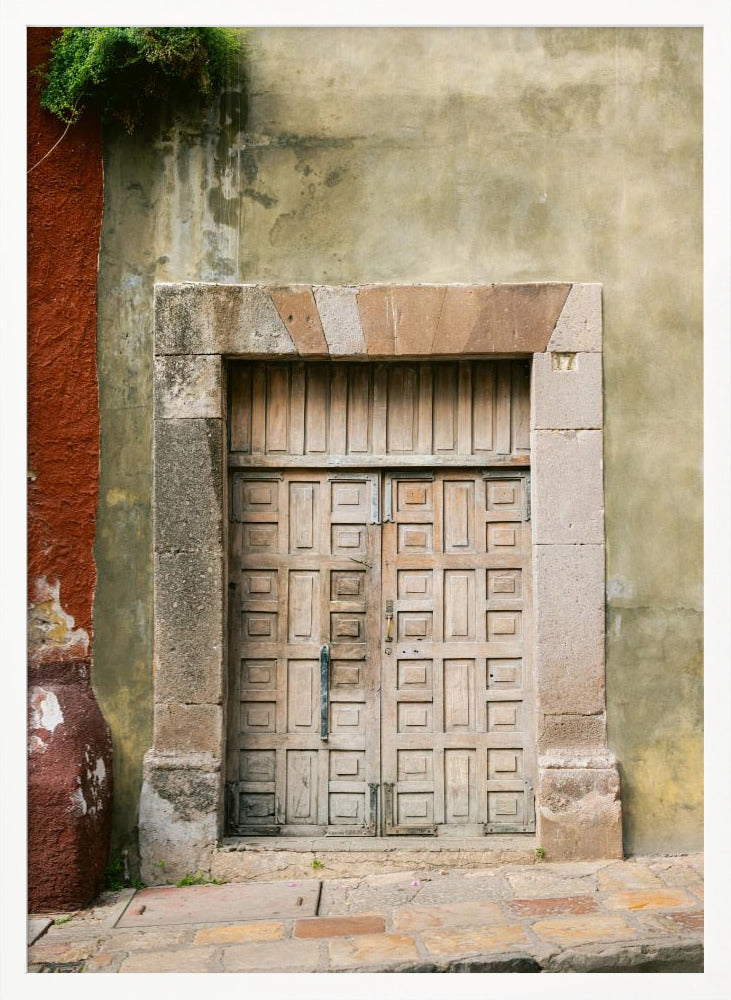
(45,710)
(51,631)
(197,326)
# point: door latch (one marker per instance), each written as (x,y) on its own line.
(324,692)
(389,621)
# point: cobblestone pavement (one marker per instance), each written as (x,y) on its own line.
(643,914)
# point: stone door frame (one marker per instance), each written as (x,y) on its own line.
(199,326)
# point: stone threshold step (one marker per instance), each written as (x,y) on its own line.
(267,858)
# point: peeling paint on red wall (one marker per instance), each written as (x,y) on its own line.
(65,203)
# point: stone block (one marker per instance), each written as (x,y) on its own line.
(583,732)
(649,899)
(371,949)
(465,941)
(552,907)
(269,956)
(189,625)
(583,929)
(219,319)
(568,508)
(579,813)
(338,308)
(326,927)
(682,923)
(180,960)
(188,386)
(566,391)
(637,956)
(298,311)
(148,939)
(235,934)
(417,918)
(188,485)
(189,729)
(62,951)
(569,629)
(628,875)
(179,815)
(579,327)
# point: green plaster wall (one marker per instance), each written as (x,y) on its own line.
(399,155)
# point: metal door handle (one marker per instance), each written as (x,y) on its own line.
(389,621)
(324,692)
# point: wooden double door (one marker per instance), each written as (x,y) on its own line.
(380,656)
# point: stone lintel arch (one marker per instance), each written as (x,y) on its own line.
(197,327)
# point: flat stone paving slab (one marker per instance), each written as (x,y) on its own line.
(220,904)
(36,927)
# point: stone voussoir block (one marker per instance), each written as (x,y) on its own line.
(579,327)
(578,810)
(298,311)
(188,484)
(189,622)
(188,386)
(569,506)
(189,728)
(338,308)
(566,391)
(569,628)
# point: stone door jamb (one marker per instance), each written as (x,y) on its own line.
(197,327)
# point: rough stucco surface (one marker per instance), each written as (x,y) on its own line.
(64,222)
(444,155)
(69,745)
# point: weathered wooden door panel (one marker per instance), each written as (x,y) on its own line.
(305,564)
(352,414)
(345,685)
(457,745)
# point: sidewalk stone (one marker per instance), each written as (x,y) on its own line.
(369,950)
(652,899)
(102,962)
(62,951)
(642,915)
(185,960)
(543,883)
(149,939)
(37,926)
(546,907)
(581,930)
(627,875)
(295,956)
(480,939)
(417,918)
(322,927)
(674,923)
(232,934)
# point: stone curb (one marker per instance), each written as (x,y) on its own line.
(685,956)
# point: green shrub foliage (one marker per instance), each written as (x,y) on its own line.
(120,72)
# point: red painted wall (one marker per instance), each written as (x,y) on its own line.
(65,203)
(69,746)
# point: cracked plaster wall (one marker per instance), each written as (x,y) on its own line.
(438,155)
